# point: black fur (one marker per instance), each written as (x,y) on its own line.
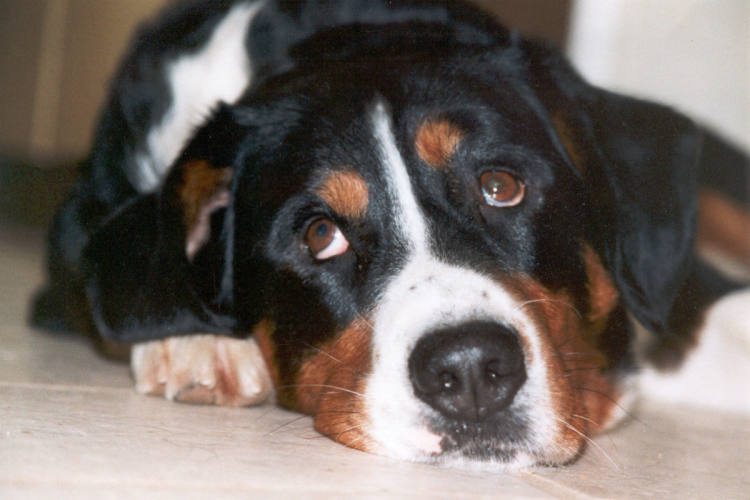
(321,65)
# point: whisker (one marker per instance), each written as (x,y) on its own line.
(339,412)
(588,440)
(572,371)
(335,387)
(586,419)
(609,435)
(328,393)
(611,400)
(292,421)
(583,354)
(556,301)
(565,341)
(361,437)
(315,436)
(366,321)
(333,435)
(331,356)
(349,429)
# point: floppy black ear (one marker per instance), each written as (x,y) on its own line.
(639,160)
(158,266)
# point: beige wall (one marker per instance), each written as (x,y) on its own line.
(19,44)
(55,60)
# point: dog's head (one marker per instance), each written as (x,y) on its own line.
(439,255)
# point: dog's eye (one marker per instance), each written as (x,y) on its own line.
(325,240)
(501,189)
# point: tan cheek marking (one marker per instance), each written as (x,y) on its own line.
(331,386)
(346,193)
(724,225)
(436,142)
(582,395)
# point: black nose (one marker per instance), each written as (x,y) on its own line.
(468,372)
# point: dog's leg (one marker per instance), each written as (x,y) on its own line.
(206,369)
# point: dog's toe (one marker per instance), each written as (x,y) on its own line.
(202,369)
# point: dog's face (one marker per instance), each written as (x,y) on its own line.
(425,275)
(420,252)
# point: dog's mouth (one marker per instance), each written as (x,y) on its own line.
(497,439)
(481,450)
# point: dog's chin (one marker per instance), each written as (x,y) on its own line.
(489,461)
(474,450)
(492,457)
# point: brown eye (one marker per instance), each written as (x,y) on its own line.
(325,240)
(501,189)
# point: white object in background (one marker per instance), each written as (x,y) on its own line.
(691,54)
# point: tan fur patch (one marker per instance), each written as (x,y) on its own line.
(436,142)
(346,193)
(200,182)
(583,395)
(204,190)
(331,385)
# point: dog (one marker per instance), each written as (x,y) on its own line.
(405,220)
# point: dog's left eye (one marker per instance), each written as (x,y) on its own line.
(325,240)
(501,189)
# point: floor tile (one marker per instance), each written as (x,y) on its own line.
(665,452)
(117,439)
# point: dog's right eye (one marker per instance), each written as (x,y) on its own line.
(325,240)
(501,189)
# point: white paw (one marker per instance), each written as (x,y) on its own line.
(205,369)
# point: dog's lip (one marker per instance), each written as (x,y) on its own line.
(427,441)
(477,440)
(479,449)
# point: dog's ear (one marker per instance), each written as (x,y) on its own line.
(639,160)
(159,266)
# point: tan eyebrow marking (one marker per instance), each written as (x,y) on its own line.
(436,141)
(346,193)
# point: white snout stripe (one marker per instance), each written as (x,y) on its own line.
(425,295)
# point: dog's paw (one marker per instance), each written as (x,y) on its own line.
(204,369)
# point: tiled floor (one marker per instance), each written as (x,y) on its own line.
(72,427)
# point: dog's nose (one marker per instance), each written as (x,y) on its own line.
(468,372)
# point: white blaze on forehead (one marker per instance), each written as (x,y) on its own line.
(220,71)
(425,295)
(408,214)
